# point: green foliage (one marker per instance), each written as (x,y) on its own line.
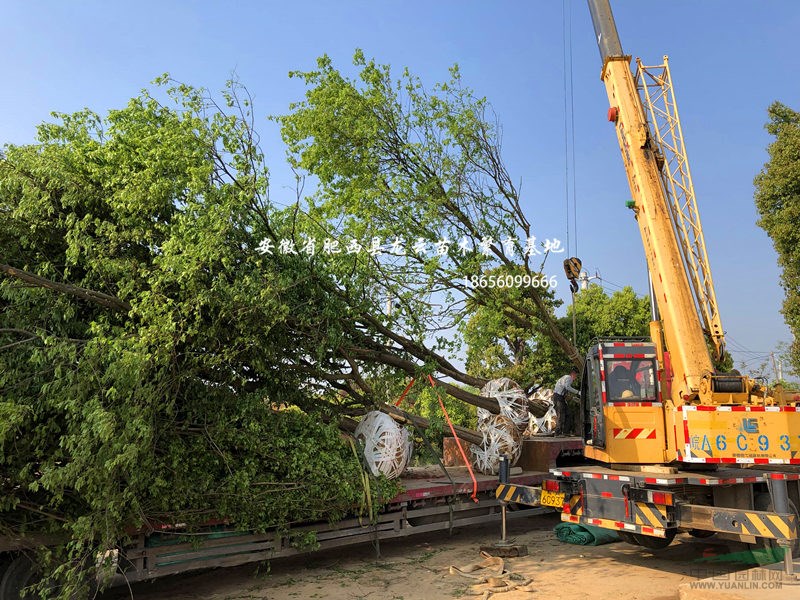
(160,360)
(725,365)
(139,383)
(600,315)
(499,347)
(597,314)
(426,404)
(423,400)
(376,144)
(777,199)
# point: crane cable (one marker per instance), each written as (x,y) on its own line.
(571,205)
(569,152)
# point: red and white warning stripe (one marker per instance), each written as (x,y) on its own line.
(636,433)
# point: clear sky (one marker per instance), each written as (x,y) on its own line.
(730,59)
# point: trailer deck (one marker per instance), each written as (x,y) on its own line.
(428,503)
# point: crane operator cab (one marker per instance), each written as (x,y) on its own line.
(621,408)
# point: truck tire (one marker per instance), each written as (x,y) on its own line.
(654,543)
(627,537)
(21,573)
(701,533)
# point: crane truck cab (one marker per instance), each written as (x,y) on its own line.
(622,412)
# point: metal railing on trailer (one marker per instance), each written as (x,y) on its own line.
(432,504)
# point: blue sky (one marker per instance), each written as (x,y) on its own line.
(730,60)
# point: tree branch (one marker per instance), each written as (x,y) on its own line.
(66,288)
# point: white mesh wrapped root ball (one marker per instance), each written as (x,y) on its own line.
(387,446)
(483,416)
(543,393)
(511,398)
(543,418)
(500,437)
(540,402)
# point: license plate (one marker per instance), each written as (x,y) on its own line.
(555,499)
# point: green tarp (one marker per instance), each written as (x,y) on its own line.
(584,535)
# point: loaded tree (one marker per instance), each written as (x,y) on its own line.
(172,339)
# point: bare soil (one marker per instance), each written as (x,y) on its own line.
(419,568)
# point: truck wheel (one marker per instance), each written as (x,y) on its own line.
(701,533)
(654,543)
(627,537)
(21,573)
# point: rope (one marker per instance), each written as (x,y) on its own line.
(566,120)
(405,392)
(491,577)
(501,433)
(458,442)
(424,436)
(572,150)
(511,398)
(500,437)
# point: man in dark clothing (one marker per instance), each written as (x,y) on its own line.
(563,386)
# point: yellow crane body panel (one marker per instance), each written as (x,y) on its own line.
(737,434)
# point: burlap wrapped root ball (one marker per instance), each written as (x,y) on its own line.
(387,446)
(501,437)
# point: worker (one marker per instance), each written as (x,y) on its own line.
(622,380)
(559,399)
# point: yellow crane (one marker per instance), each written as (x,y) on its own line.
(699,412)
(674,444)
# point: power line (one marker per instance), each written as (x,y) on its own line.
(742,348)
(570,178)
(612,284)
(747,363)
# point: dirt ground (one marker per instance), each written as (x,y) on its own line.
(418,568)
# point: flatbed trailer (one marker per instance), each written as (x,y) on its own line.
(431,503)
(432,499)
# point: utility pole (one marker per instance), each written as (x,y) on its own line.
(585,279)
